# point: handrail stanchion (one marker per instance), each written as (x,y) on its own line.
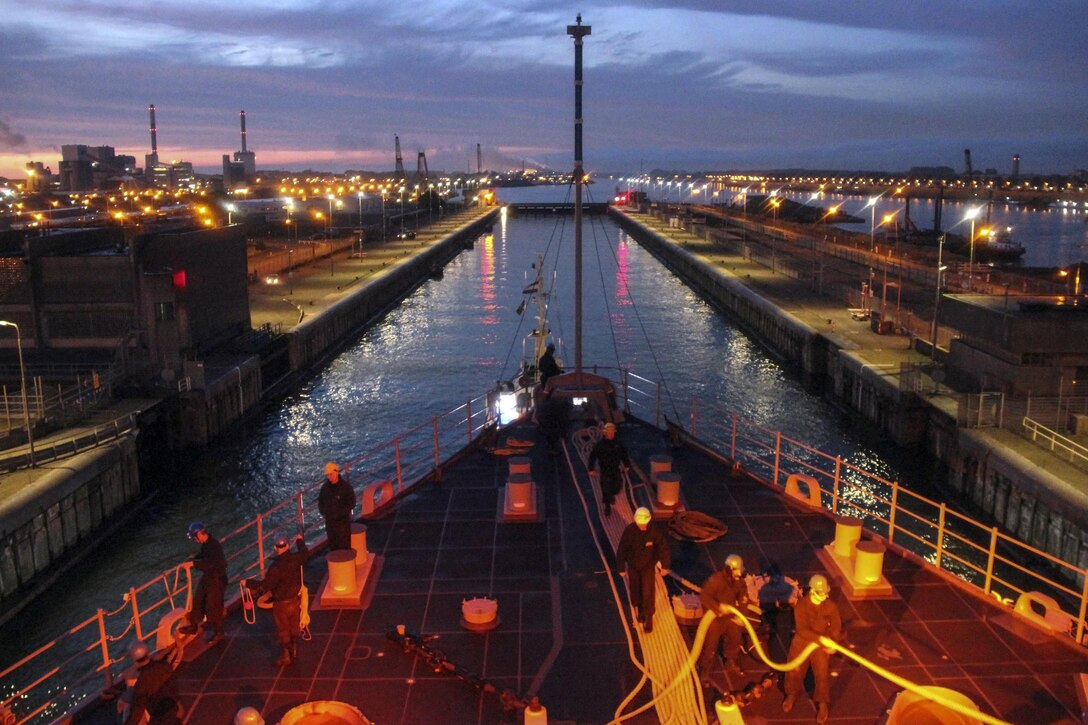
(396,455)
(104,640)
(468,418)
(891,514)
(836,485)
(777,456)
(301,512)
(1083,607)
(135,613)
(991,558)
(260,544)
(733,440)
(694,416)
(940,535)
(437,445)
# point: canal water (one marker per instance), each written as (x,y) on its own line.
(451,340)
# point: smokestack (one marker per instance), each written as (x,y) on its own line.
(1016,166)
(154,132)
(243,114)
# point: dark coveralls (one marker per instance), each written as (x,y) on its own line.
(208,599)
(609,453)
(155,681)
(548,367)
(722,587)
(813,621)
(553,417)
(283,581)
(336,502)
(638,552)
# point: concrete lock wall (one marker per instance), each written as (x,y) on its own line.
(44,522)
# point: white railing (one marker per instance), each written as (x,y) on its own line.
(1055,442)
(80,663)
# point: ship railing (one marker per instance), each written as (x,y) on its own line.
(89,658)
(997,564)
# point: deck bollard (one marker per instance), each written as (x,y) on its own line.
(536,714)
(520,488)
(668,488)
(520,465)
(341,570)
(847,534)
(358,543)
(869,565)
(659,464)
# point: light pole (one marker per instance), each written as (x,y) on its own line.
(971,214)
(872,223)
(328,224)
(22,378)
(937,302)
(230,214)
(383,215)
(360,212)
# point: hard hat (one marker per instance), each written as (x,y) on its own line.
(195,528)
(281,543)
(734,562)
(551,346)
(642,515)
(609,427)
(818,583)
(139,651)
(330,467)
(248,716)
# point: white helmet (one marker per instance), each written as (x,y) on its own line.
(248,716)
(642,515)
(818,583)
(735,563)
(139,651)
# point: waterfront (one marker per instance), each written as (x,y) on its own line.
(419,361)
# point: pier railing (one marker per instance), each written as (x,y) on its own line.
(996,564)
(89,658)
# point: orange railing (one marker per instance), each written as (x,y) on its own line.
(61,674)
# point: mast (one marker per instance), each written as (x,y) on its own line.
(578,32)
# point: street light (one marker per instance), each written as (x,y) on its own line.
(971,214)
(360,211)
(230,212)
(937,302)
(384,192)
(22,378)
(872,223)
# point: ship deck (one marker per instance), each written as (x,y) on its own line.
(560,634)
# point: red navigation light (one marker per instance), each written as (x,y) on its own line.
(179,279)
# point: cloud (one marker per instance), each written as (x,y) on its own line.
(9,138)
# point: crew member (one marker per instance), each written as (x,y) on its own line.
(208,597)
(283,581)
(547,364)
(155,684)
(724,587)
(613,460)
(814,616)
(641,550)
(336,502)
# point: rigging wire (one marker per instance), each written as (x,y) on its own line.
(642,328)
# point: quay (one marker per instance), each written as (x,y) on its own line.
(807,306)
(87,476)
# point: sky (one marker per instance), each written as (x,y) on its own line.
(686,84)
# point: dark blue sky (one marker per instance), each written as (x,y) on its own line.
(699,85)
